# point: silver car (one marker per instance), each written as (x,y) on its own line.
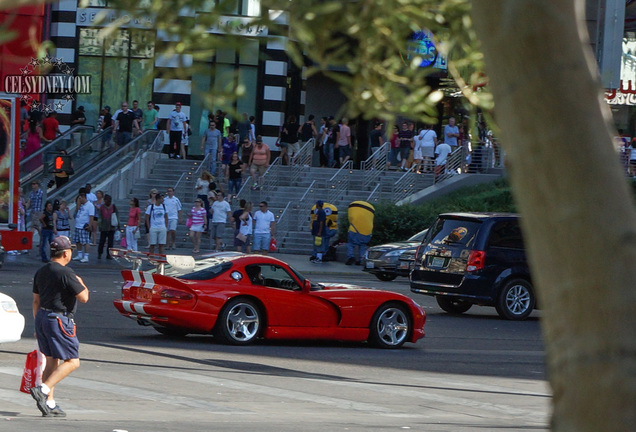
(383,261)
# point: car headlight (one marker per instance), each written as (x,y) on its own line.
(394,253)
(9,306)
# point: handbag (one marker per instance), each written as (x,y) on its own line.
(189,222)
(137,234)
(242,237)
(123,242)
(273,245)
(317,241)
(114,221)
(117,236)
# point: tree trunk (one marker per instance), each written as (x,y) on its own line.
(577,211)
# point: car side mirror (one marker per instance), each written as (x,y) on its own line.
(307,285)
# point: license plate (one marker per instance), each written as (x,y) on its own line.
(404,265)
(370,264)
(144,294)
(437,262)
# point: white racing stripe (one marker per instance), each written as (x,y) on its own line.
(139,308)
(136,278)
(149,280)
(127,305)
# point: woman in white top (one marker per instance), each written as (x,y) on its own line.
(202,186)
(246,228)
(424,150)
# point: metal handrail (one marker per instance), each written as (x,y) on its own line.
(53,145)
(302,199)
(103,168)
(375,189)
(375,164)
(454,165)
(405,185)
(339,182)
(302,160)
(77,153)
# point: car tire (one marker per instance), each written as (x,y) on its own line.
(239,323)
(453,305)
(516,300)
(170,332)
(390,326)
(385,277)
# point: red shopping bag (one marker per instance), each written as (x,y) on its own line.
(273,246)
(33,367)
(30,372)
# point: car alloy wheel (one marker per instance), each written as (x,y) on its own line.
(390,326)
(516,300)
(239,322)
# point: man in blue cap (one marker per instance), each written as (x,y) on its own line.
(318,231)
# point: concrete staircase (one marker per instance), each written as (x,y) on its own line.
(180,174)
(289,199)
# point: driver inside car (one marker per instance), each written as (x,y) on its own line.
(254,273)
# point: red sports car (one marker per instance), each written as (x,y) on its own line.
(240,298)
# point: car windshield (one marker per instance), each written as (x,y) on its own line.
(453,231)
(203,270)
(419,236)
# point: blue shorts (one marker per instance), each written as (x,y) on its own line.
(261,242)
(56,335)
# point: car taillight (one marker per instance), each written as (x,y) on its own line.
(172,296)
(476,261)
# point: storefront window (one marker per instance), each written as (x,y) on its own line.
(231,68)
(121,66)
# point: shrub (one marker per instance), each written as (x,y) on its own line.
(395,223)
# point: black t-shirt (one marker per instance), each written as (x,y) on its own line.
(375,138)
(108,120)
(307,131)
(47,221)
(233,170)
(291,136)
(76,116)
(334,134)
(125,120)
(236,215)
(57,286)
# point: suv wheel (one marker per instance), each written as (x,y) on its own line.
(385,277)
(516,300)
(453,305)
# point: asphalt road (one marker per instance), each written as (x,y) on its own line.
(473,372)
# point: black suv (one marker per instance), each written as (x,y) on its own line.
(475,258)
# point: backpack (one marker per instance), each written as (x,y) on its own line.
(306,132)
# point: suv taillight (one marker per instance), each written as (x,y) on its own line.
(476,261)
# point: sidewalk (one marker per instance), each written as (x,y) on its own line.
(298,262)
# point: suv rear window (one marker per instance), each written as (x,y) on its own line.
(453,231)
(506,234)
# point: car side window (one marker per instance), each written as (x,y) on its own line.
(506,234)
(277,277)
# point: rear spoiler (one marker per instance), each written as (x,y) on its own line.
(135,259)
